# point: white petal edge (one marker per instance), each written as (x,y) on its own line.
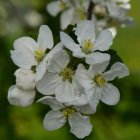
(65,92)
(97,57)
(53,8)
(80,125)
(51,101)
(45,38)
(66,18)
(58,62)
(85,30)
(54,120)
(48,83)
(104,40)
(110,95)
(71,45)
(117,70)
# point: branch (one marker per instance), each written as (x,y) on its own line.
(90,10)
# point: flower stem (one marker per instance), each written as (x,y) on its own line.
(90,10)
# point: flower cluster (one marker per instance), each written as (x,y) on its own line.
(107,13)
(72,75)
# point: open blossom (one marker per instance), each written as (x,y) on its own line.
(61,113)
(89,44)
(72,11)
(32,59)
(113,12)
(20,97)
(95,81)
(28,53)
(59,79)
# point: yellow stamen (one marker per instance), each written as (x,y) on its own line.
(62,5)
(68,111)
(99,80)
(67,74)
(87,46)
(81,13)
(39,54)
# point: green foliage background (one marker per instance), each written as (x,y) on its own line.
(120,122)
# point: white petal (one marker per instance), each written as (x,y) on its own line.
(110,95)
(113,30)
(40,70)
(104,40)
(23,55)
(58,47)
(98,68)
(87,109)
(82,76)
(25,79)
(97,57)
(85,30)
(59,61)
(124,1)
(54,120)
(66,18)
(45,38)
(80,125)
(81,100)
(65,92)
(71,45)
(113,9)
(126,6)
(53,8)
(25,42)
(52,102)
(117,70)
(19,97)
(48,83)
(93,95)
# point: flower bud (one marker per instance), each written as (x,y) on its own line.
(25,79)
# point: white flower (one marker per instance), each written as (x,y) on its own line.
(55,7)
(89,42)
(25,79)
(117,10)
(28,53)
(59,79)
(60,113)
(72,11)
(95,82)
(20,97)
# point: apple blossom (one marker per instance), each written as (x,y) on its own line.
(95,81)
(89,44)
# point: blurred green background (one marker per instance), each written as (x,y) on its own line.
(121,122)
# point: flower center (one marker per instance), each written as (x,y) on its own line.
(67,74)
(39,54)
(81,13)
(68,111)
(99,80)
(87,46)
(62,5)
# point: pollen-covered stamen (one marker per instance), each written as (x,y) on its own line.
(81,13)
(67,74)
(68,111)
(99,80)
(39,54)
(62,5)
(87,46)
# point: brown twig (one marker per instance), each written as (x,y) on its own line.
(90,10)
